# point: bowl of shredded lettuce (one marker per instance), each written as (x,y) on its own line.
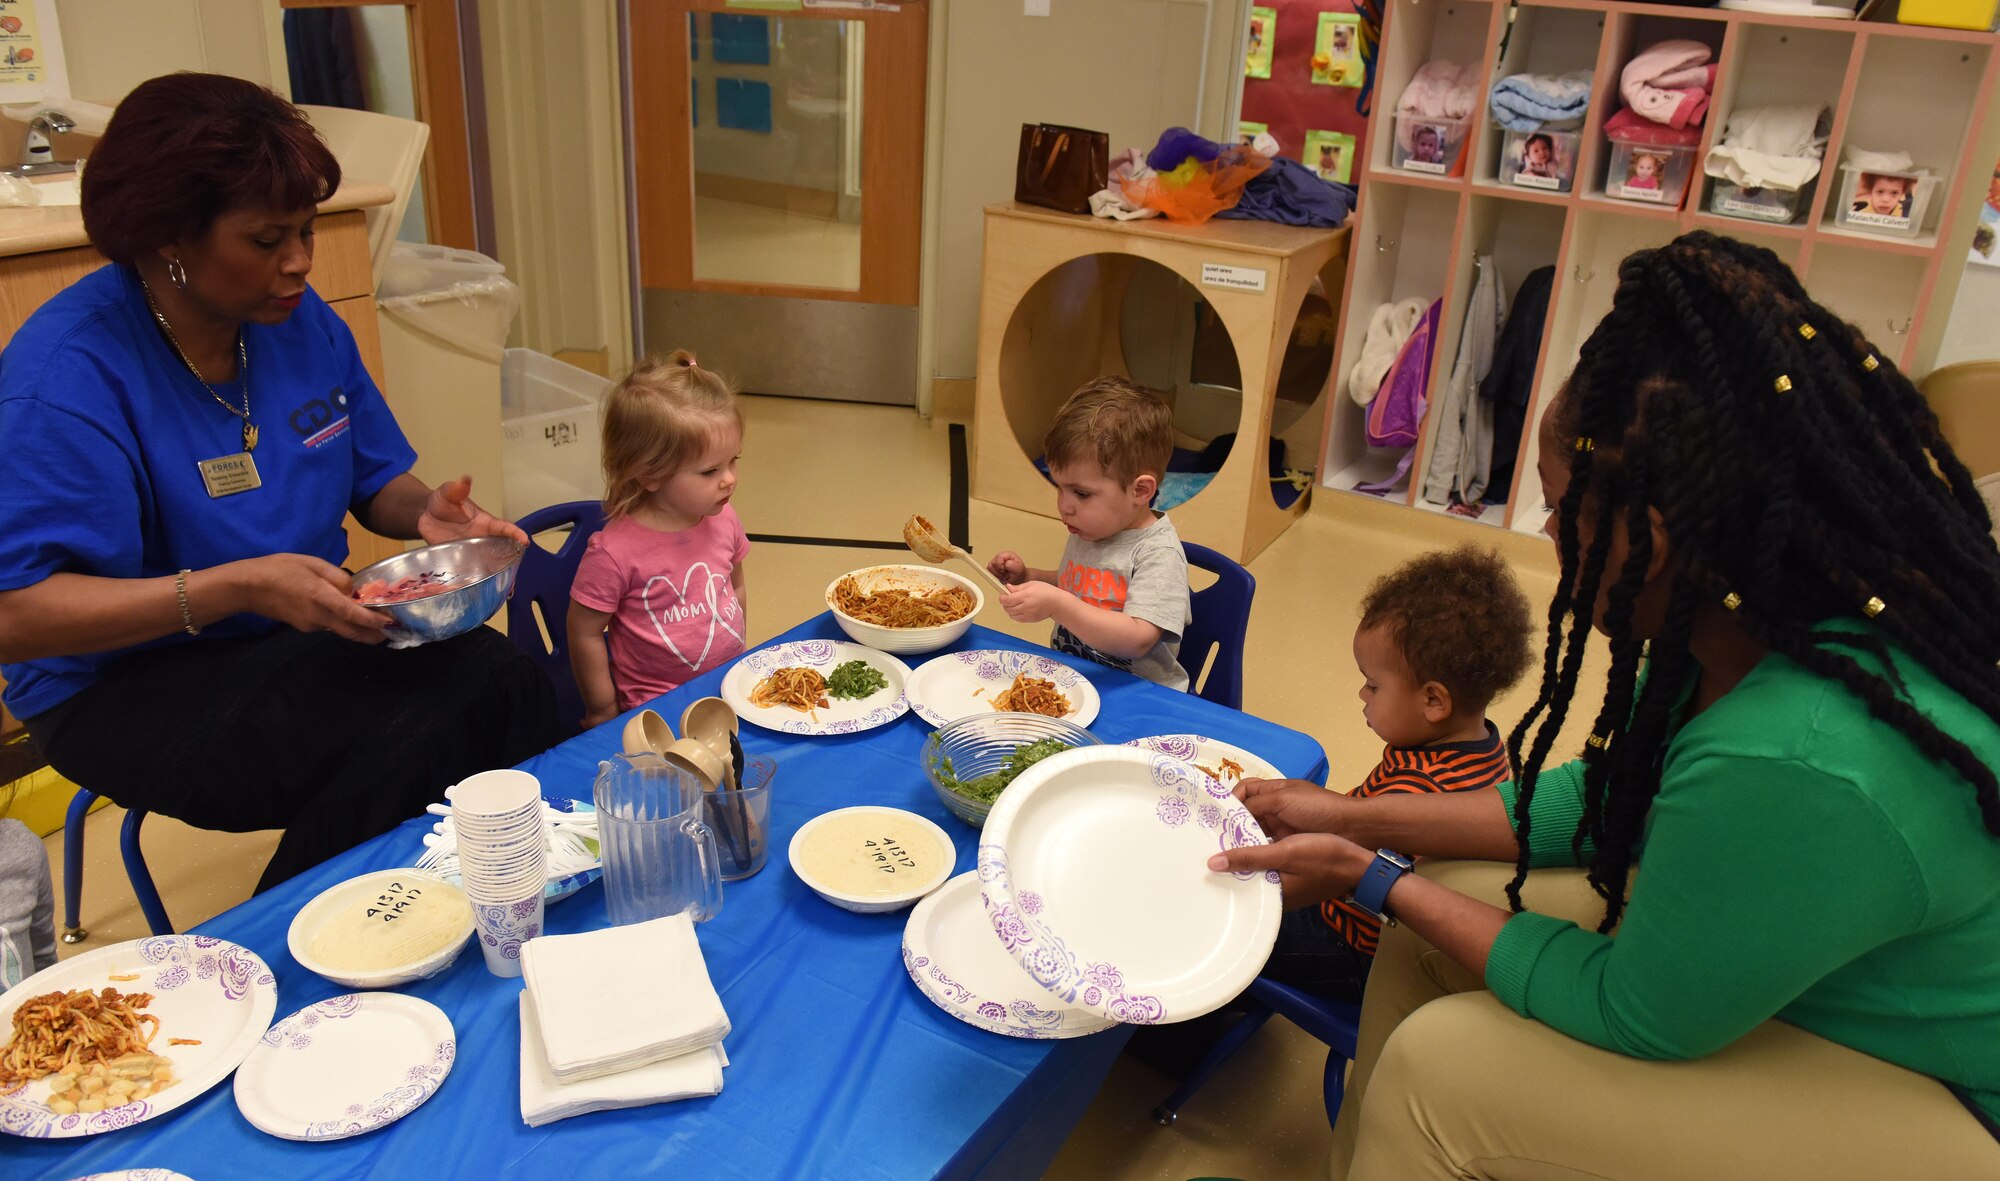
(972,760)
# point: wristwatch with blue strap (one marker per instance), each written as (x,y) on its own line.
(1372,891)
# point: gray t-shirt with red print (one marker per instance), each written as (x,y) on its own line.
(1142,572)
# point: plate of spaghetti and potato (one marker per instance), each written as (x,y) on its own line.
(951,686)
(817,687)
(124,1033)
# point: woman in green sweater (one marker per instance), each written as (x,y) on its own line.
(1786,811)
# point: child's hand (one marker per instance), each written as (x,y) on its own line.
(1008,567)
(1032,602)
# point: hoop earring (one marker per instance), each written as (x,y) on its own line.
(177,271)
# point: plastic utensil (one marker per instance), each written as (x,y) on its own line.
(928,543)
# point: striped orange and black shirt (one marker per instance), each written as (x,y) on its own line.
(1458,766)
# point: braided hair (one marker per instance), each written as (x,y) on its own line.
(1801,477)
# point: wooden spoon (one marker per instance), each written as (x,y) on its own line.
(928,543)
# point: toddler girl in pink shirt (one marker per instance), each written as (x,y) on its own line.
(658,598)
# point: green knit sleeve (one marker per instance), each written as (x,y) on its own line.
(1554,811)
(1728,921)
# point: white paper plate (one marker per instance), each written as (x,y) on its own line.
(347,1065)
(841,716)
(951,951)
(216,992)
(959,683)
(1094,862)
(1208,754)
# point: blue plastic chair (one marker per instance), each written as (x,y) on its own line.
(1334,1022)
(1221,620)
(135,869)
(544,583)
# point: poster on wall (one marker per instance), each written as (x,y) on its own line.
(1336,59)
(1263,42)
(31,65)
(1986,235)
(1330,154)
(1247,132)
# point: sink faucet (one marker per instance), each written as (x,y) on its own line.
(37,154)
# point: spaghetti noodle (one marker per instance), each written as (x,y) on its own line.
(802,689)
(62,1032)
(1032,695)
(901,607)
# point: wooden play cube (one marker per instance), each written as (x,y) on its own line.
(1039,341)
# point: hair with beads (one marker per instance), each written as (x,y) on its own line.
(1801,478)
(657,421)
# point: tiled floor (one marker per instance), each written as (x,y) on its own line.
(1261,1116)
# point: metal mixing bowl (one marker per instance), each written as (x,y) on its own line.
(483,570)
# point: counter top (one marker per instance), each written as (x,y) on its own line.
(1258,237)
(59,227)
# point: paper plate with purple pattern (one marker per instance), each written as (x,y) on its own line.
(347,1065)
(1212,756)
(1093,865)
(950,950)
(839,715)
(217,994)
(135,1175)
(948,687)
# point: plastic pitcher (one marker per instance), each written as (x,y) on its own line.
(660,857)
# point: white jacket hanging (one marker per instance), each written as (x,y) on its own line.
(1462,458)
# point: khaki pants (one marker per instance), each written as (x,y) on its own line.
(1465,1088)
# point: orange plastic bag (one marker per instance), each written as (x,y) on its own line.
(1197,191)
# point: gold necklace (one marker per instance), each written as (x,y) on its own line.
(242,371)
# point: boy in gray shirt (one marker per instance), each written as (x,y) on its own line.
(1121,595)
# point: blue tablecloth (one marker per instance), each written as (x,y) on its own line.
(839,1067)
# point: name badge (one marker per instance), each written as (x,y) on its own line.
(226,475)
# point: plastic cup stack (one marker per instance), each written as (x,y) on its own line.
(502,861)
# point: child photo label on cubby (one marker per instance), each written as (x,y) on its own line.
(1215,274)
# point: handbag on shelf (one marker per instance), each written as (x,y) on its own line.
(1060,167)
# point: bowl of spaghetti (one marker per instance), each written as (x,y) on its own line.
(904,609)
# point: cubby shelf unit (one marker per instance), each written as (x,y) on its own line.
(1890,87)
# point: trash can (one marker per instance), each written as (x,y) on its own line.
(550,451)
(445,315)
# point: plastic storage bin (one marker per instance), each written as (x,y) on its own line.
(1425,144)
(1947,14)
(1653,173)
(549,441)
(1890,203)
(1540,159)
(1776,206)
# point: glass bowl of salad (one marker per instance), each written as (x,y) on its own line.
(971,760)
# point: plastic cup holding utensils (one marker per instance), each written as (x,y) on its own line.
(741,820)
(660,855)
(502,861)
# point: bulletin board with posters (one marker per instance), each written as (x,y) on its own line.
(1301,82)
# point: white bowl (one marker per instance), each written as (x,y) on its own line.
(313,915)
(905,640)
(876,903)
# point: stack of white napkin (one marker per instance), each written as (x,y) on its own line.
(621,1017)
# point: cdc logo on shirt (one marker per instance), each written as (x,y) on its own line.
(321,420)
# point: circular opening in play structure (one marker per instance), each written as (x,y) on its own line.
(1123,315)
(1120,315)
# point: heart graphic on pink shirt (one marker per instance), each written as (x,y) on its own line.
(709,600)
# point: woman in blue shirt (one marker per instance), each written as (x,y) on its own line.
(187,428)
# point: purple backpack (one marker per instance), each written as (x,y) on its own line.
(1398,407)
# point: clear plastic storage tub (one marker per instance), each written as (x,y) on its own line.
(1776,206)
(549,441)
(1427,144)
(1540,159)
(1653,173)
(1890,203)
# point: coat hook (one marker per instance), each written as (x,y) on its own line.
(1576,272)
(1382,246)
(1903,331)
